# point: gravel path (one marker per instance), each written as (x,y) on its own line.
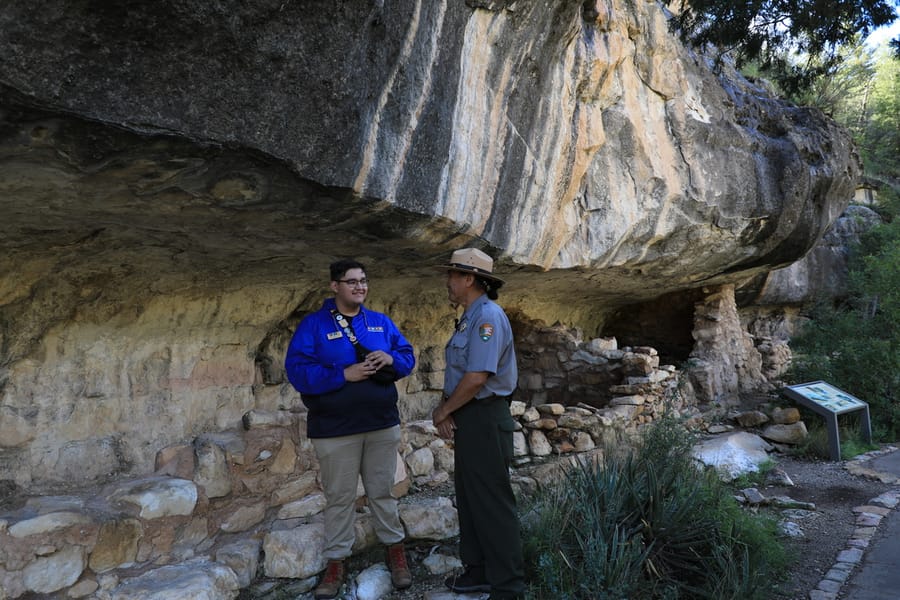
(835,492)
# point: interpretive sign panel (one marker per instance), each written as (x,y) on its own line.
(828,401)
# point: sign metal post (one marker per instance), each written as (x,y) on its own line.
(828,401)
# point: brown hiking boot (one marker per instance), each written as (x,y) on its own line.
(396,560)
(331,582)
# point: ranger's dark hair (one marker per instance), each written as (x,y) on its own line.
(340,267)
(490,286)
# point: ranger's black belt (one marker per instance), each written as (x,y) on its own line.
(508,399)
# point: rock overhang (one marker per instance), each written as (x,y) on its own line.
(102,199)
(173,191)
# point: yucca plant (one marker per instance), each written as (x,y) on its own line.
(646,523)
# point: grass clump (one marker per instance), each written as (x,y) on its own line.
(754,478)
(817,444)
(646,523)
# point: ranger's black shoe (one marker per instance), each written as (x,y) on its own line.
(471,580)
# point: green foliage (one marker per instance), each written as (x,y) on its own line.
(862,93)
(856,345)
(754,479)
(880,140)
(816,445)
(854,445)
(647,524)
(770,32)
(843,91)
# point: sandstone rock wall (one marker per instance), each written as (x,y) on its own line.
(565,133)
(822,273)
(175,177)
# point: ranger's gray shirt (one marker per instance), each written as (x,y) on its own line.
(483,341)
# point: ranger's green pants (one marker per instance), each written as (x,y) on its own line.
(488,521)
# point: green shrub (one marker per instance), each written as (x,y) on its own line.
(647,524)
(817,442)
(856,344)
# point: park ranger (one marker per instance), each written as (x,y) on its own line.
(479,380)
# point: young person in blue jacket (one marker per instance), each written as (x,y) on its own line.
(344,359)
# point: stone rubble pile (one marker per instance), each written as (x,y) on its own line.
(557,367)
(734,452)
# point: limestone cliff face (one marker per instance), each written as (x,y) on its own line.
(175,176)
(822,273)
(566,134)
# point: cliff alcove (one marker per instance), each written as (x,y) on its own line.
(176,176)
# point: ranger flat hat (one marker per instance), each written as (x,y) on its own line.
(471,260)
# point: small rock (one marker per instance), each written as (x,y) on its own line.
(778,476)
(714,429)
(785,416)
(751,418)
(373,583)
(439,564)
(787,502)
(753,496)
(786,434)
(791,529)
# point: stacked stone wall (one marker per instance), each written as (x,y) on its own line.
(234,504)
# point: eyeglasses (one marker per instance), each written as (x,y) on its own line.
(355,282)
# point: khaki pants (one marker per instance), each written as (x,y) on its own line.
(342,460)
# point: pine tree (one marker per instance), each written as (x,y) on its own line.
(773,33)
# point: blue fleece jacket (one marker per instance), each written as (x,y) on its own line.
(315,362)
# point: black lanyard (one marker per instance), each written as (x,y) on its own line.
(387,374)
(345,325)
(348,331)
